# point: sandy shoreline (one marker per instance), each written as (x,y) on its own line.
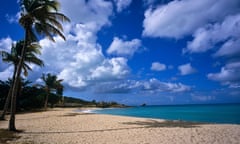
(64,126)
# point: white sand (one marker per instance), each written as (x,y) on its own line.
(64,126)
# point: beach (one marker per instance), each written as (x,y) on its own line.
(66,126)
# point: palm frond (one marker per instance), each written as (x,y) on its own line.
(48,30)
(26,68)
(8,57)
(59,16)
(34,60)
(42,16)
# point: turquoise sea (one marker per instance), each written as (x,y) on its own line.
(217,113)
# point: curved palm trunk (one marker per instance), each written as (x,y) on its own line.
(8,96)
(11,126)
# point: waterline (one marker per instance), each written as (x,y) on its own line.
(222,113)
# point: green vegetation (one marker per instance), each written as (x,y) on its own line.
(32,97)
(51,85)
(75,102)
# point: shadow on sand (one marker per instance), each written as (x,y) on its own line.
(131,126)
(75,114)
(166,124)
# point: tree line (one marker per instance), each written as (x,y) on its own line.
(30,96)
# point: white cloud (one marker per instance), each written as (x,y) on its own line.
(156,66)
(186,69)
(122,4)
(80,61)
(6,44)
(229,75)
(207,37)
(154,85)
(148,86)
(126,86)
(94,12)
(13,19)
(124,48)
(111,69)
(231,48)
(180,18)
(6,73)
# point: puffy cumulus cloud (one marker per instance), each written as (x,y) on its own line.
(6,73)
(180,18)
(120,47)
(122,4)
(229,75)
(158,86)
(156,66)
(148,86)
(226,32)
(80,61)
(94,12)
(186,69)
(5,45)
(111,69)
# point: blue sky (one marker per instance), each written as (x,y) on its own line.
(140,51)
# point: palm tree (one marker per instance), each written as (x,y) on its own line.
(51,84)
(37,17)
(13,58)
(59,90)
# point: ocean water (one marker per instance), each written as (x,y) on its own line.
(218,113)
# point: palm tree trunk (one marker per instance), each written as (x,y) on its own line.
(11,126)
(9,95)
(46,101)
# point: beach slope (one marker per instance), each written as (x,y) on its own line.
(64,126)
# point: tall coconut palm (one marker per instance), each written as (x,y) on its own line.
(13,58)
(37,17)
(51,84)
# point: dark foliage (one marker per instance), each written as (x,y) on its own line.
(30,97)
(33,97)
(4,88)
